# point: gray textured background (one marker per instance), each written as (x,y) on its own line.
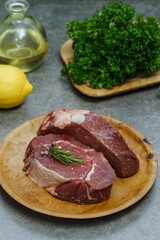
(139,108)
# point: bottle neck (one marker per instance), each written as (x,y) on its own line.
(17,16)
(17,8)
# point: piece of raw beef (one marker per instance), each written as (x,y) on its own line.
(80,183)
(91,129)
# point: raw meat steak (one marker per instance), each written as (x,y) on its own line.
(81,183)
(91,129)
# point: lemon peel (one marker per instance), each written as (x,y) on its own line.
(14,86)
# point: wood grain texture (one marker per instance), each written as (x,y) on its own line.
(140,81)
(125,192)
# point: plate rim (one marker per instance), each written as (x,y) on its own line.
(10,192)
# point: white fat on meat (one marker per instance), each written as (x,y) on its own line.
(64,118)
(78,116)
(52,190)
(90,172)
(42,176)
(46,123)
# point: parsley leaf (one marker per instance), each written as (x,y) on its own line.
(112,45)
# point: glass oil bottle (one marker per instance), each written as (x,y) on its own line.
(23,40)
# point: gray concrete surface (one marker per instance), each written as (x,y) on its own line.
(139,108)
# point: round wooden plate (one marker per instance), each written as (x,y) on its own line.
(140,81)
(125,192)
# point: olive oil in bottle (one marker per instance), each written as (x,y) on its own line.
(23,40)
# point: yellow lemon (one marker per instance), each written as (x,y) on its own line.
(14,86)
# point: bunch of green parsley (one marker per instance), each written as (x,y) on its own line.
(112,45)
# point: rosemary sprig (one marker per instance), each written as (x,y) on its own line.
(66,157)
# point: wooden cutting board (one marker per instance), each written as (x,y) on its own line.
(124,193)
(140,81)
